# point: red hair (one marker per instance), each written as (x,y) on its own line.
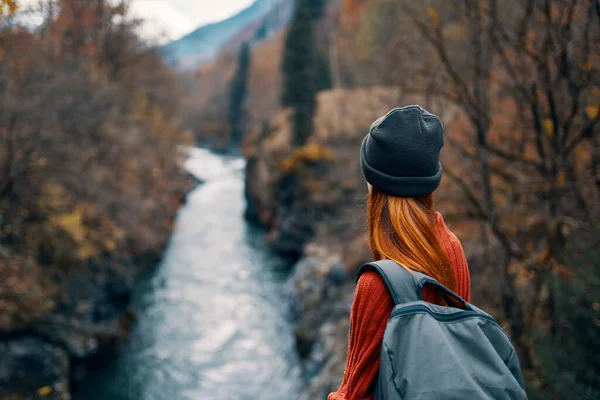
(401,229)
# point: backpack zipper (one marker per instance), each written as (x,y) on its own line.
(463,314)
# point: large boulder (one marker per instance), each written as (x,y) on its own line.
(324,293)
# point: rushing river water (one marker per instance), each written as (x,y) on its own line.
(213,320)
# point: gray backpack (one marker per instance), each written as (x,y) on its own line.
(432,352)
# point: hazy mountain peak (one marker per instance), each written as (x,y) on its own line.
(259,20)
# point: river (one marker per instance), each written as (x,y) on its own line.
(214,318)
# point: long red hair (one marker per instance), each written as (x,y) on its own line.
(401,229)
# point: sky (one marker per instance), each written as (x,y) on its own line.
(170,19)
(175,18)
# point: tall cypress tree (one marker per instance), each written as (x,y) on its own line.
(301,68)
(237,94)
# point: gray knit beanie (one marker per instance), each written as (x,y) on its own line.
(401,154)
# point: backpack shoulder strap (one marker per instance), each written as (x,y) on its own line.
(399,281)
(405,285)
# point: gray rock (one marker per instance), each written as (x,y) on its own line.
(29,364)
(323,297)
(338,274)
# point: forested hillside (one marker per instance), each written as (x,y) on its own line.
(89,185)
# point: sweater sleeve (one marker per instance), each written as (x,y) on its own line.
(371,309)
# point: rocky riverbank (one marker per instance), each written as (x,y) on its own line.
(64,312)
(47,355)
(324,290)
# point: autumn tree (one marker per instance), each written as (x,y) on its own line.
(7,8)
(524,76)
(237,93)
(520,83)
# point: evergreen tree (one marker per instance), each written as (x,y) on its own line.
(238,91)
(323,77)
(302,67)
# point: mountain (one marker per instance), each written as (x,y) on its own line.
(255,23)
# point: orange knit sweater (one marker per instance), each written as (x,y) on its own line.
(371,309)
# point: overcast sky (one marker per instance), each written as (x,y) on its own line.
(177,17)
(171,19)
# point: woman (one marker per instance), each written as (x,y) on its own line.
(400,162)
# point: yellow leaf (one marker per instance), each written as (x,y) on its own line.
(310,152)
(110,244)
(435,20)
(529,246)
(483,7)
(85,251)
(549,126)
(72,224)
(44,391)
(587,66)
(562,178)
(592,111)
(11,5)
